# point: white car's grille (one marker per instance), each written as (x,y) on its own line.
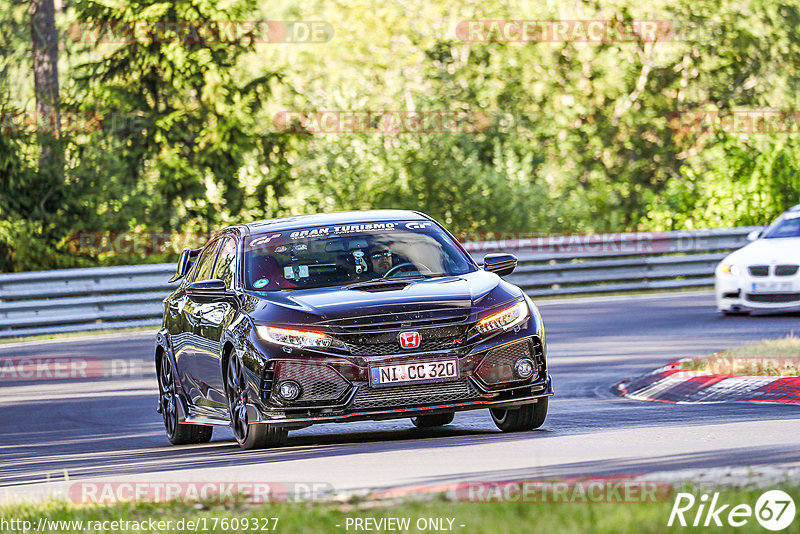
(786,270)
(774,298)
(778,270)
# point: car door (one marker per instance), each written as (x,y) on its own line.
(189,348)
(212,318)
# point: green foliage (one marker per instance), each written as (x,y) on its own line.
(187,106)
(748,182)
(578,137)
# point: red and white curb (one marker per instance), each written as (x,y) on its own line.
(680,386)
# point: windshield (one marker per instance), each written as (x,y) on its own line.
(787,225)
(342,255)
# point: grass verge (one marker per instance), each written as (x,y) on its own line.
(612,518)
(774,357)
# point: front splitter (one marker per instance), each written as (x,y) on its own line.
(255,416)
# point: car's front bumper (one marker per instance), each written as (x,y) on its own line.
(339,389)
(366,403)
(736,293)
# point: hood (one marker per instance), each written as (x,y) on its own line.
(473,292)
(783,251)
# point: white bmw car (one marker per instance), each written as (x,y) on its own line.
(764,274)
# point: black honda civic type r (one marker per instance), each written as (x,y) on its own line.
(281,324)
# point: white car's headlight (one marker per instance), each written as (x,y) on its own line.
(729,268)
(293,338)
(504,319)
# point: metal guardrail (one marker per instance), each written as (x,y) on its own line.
(603,263)
(48,302)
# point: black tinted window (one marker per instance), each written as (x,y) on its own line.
(226,262)
(205,263)
(339,255)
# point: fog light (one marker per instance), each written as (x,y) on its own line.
(523,368)
(289,390)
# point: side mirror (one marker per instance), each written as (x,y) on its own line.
(500,264)
(184,264)
(755,234)
(209,291)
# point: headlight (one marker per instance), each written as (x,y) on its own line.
(728,268)
(504,319)
(292,337)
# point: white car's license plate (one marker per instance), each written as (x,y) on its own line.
(388,375)
(772,287)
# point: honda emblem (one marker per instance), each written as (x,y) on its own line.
(409,340)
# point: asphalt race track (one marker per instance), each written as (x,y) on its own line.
(56,432)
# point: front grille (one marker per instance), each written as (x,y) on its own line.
(773,297)
(384,343)
(786,270)
(383,349)
(414,395)
(318,382)
(400,321)
(759,270)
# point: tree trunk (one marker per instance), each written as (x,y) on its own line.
(45,79)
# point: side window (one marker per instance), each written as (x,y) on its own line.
(226,262)
(205,263)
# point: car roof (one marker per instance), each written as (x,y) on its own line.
(326,219)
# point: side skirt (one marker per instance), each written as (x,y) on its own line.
(204,415)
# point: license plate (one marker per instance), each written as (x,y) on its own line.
(387,375)
(772,287)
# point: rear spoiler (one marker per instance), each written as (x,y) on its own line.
(185,263)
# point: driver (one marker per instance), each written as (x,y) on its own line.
(381,259)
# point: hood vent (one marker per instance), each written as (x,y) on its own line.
(380,286)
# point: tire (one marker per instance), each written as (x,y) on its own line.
(527,417)
(732,313)
(428,421)
(177,433)
(249,436)
(261,436)
(192,434)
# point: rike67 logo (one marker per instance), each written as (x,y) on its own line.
(774,510)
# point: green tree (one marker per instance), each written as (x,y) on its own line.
(183,110)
